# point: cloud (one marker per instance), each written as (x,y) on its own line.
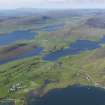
(51,3)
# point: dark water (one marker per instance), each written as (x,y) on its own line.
(34,52)
(75,95)
(74,48)
(16,36)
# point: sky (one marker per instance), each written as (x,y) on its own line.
(12,4)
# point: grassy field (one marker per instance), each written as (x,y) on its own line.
(19,77)
(31,73)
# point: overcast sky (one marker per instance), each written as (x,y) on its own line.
(11,4)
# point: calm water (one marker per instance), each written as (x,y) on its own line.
(34,52)
(74,48)
(16,36)
(76,95)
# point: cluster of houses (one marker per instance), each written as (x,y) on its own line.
(15,87)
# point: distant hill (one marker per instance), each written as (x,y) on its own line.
(53,13)
(98,22)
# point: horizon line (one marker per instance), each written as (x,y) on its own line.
(52,8)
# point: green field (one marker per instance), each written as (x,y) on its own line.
(32,72)
(18,78)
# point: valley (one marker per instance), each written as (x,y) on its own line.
(40,52)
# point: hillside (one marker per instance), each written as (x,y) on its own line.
(32,72)
(75,37)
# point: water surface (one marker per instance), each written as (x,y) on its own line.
(75,95)
(13,37)
(74,48)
